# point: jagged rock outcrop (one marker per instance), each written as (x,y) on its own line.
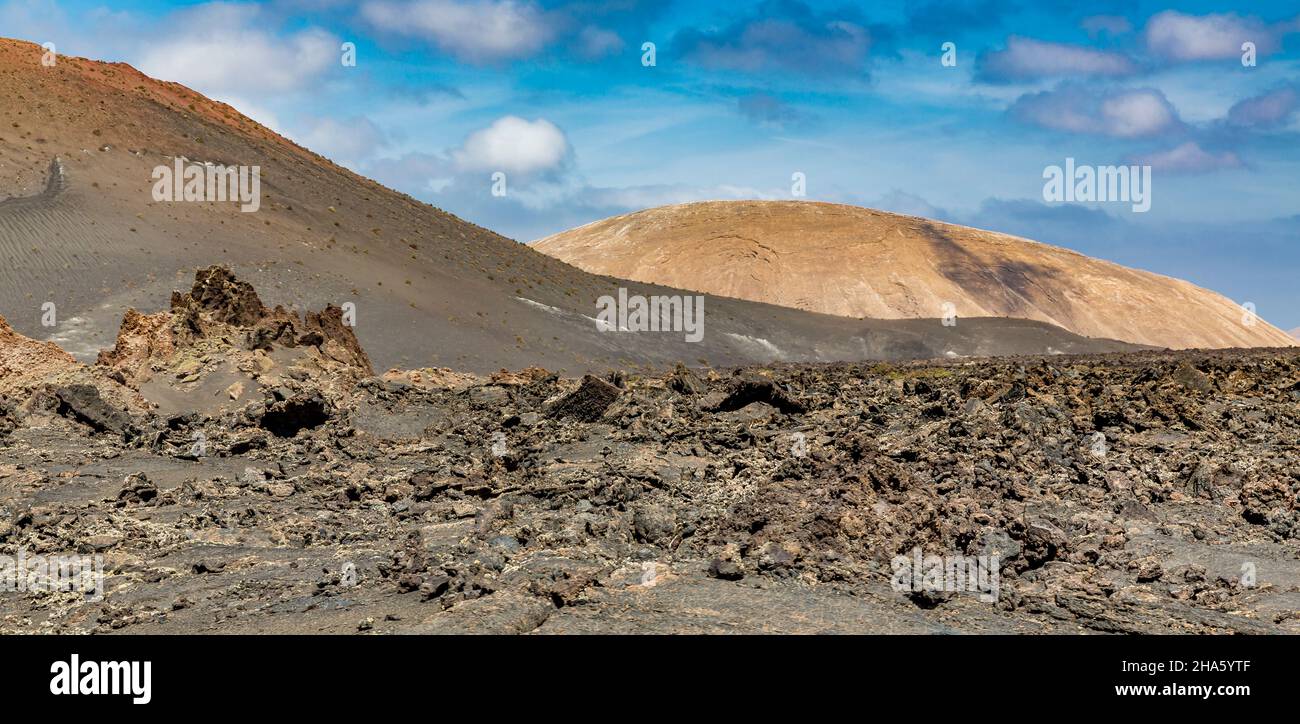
(217,295)
(222,313)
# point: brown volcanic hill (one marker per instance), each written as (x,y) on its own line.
(79,143)
(857,262)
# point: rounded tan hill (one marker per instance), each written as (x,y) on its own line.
(857,262)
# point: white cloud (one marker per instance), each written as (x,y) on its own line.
(479,31)
(1136,113)
(1123,114)
(1026,58)
(514,145)
(220,50)
(1189,158)
(535,153)
(1178,36)
(1262,111)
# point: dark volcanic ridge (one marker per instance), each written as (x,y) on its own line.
(241,469)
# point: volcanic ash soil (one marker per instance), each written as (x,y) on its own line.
(242,469)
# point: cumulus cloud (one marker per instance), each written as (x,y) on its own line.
(477,31)
(1265,111)
(1123,113)
(1188,158)
(514,145)
(1028,59)
(1177,36)
(535,155)
(224,51)
(785,35)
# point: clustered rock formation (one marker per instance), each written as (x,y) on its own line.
(164,363)
(221,307)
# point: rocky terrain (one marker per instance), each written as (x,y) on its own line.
(243,468)
(423,429)
(857,262)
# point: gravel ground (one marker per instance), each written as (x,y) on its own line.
(271,482)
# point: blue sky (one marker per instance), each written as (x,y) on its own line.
(744,94)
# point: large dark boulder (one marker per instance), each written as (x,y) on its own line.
(83,404)
(587,403)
